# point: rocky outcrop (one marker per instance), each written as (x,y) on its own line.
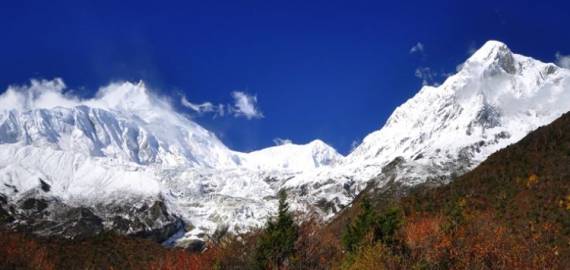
(49,216)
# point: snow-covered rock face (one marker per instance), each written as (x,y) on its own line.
(495,99)
(127,143)
(293,157)
(124,122)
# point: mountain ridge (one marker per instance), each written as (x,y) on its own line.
(127,139)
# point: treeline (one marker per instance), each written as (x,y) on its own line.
(411,234)
(511,212)
(282,244)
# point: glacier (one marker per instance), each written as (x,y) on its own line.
(128,146)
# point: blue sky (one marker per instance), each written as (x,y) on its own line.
(333,70)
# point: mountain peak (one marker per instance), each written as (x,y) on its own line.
(132,140)
(494,55)
(494,99)
(490,50)
(494,44)
(319,143)
(125,94)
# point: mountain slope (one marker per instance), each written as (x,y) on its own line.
(495,96)
(511,212)
(127,144)
(494,100)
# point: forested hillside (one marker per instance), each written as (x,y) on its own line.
(511,212)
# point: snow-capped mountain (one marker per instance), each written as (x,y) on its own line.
(289,156)
(127,144)
(495,99)
(127,151)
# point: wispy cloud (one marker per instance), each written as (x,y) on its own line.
(418,48)
(280,141)
(245,105)
(563,60)
(471,50)
(39,93)
(121,96)
(354,145)
(199,108)
(426,74)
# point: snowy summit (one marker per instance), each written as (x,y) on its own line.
(127,143)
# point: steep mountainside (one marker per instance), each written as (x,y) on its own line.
(510,212)
(124,151)
(97,156)
(495,99)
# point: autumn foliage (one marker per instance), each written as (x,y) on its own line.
(511,212)
(108,251)
(20,252)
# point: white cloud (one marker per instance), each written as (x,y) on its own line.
(459,67)
(205,107)
(563,60)
(199,108)
(418,48)
(427,75)
(220,110)
(41,94)
(472,48)
(280,141)
(121,97)
(354,145)
(245,105)
(446,75)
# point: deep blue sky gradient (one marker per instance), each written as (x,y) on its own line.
(332,70)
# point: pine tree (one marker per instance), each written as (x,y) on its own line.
(381,227)
(277,242)
(355,232)
(387,225)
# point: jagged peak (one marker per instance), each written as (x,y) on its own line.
(491,50)
(492,55)
(125,96)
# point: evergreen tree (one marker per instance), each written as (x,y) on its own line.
(277,242)
(381,227)
(387,225)
(355,232)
